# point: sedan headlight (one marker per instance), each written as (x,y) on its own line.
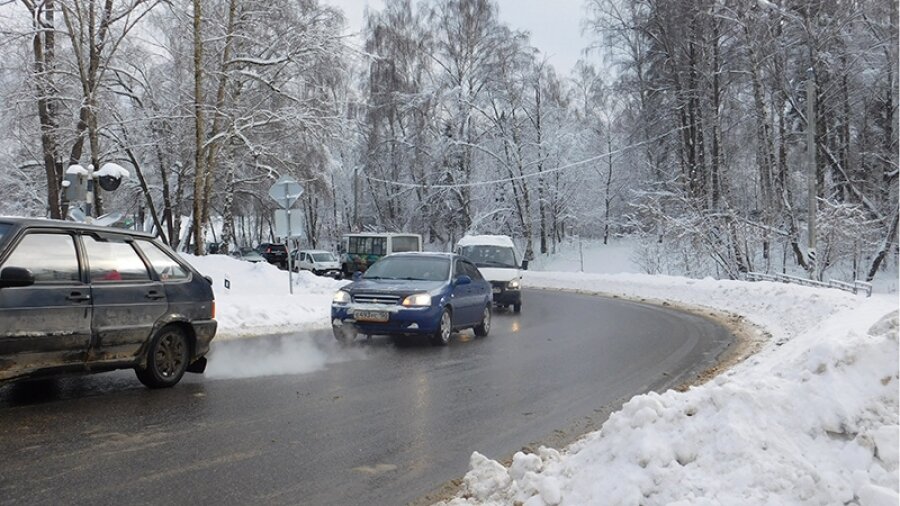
(513,285)
(417,300)
(340,297)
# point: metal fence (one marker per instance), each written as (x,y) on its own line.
(854,287)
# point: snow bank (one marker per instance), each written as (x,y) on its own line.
(259,300)
(810,419)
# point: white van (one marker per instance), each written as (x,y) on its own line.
(500,263)
(320,262)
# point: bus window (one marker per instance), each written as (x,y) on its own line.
(404,243)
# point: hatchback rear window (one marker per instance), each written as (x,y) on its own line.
(168,269)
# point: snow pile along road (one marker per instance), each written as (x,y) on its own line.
(812,418)
(259,301)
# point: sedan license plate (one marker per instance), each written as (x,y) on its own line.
(370,316)
(497,289)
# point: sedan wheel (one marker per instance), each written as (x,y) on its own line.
(483,328)
(442,335)
(344,334)
(167,359)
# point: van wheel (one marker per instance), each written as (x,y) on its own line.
(167,359)
(483,328)
(441,336)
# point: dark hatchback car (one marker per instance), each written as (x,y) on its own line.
(81,298)
(276,254)
(430,294)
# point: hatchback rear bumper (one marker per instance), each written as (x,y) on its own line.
(204,331)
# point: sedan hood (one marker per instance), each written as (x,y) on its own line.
(393,286)
(498,274)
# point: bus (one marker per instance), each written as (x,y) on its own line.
(359,251)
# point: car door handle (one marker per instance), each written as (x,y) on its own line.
(78,297)
(154,295)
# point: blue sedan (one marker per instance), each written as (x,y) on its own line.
(429,294)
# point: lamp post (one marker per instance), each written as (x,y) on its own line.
(811,171)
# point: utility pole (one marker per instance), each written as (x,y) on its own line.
(812,173)
(812,170)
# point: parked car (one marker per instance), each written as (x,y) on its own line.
(359,251)
(81,298)
(248,255)
(429,294)
(321,263)
(274,253)
(500,262)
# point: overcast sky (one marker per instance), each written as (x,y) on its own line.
(555,25)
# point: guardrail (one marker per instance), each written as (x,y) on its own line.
(854,287)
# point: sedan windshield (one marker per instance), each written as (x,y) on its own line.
(489,256)
(418,268)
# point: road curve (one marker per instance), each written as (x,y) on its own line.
(375,423)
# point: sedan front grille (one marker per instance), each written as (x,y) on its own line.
(376,298)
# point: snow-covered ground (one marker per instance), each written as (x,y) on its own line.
(811,418)
(259,302)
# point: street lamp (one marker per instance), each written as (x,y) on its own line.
(811,170)
(812,173)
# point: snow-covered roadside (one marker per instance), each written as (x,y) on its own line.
(259,301)
(812,418)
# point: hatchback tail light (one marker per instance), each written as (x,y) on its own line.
(268,250)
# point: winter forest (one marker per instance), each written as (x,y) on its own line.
(689,125)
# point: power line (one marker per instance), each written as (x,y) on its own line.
(524,176)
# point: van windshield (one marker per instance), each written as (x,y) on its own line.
(490,256)
(323,257)
(3,229)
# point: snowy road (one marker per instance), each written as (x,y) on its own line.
(371,424)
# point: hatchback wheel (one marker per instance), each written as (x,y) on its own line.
(445,327)
(167,359)
(483,328)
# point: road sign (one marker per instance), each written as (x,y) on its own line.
(286,191)
(281,224)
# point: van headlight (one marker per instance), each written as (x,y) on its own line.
(513,285)
(340,297)
(417,300)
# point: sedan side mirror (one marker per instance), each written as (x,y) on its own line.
(11,277)
(463,280)
(524,265)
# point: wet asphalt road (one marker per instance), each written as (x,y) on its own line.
(376,423)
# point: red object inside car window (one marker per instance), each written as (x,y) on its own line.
(112,276)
